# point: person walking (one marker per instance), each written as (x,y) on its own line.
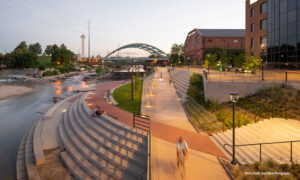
(170,80)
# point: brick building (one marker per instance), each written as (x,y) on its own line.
(256,27)
(200,40)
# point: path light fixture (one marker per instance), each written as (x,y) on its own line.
(234,97)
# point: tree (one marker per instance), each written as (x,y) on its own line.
(176,56)
(177,49)
(61,55)
(22,46)
(35,48)
(253,63)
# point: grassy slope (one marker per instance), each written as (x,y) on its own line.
(278,101)
(123,96)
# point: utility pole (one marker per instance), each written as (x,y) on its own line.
(89,43)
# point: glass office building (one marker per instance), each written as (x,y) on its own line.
(284,34)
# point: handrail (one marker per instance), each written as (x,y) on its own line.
(260,146)
(139,123)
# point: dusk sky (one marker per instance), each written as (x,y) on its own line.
(115,22)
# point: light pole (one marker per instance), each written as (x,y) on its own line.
(262,66)
(132,79)
(234,97)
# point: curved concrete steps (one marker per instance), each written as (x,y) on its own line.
(99,148)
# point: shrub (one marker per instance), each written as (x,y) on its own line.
(42,67)
(50,73)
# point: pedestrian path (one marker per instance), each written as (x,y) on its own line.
(166,107)
(200,142)
(198,165)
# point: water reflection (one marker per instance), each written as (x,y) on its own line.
(69,85)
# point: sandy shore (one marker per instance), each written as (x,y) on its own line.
(7,91)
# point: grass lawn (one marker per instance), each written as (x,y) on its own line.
(123,96)
(44,59)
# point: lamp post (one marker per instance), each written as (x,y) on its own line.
(234,97)
(262,66)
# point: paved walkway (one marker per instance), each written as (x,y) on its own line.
(202,163)
(200,142)
(166,107)
(198,165)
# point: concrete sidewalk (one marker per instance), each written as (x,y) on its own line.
(198,165)
(166,107)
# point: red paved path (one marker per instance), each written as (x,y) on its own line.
(200,142)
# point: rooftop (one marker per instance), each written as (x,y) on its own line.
(222,32)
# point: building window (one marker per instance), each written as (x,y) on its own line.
(263,8)
(263,40)
(252,13)
(252,43)
(252,27)
(263,24)
(210,41)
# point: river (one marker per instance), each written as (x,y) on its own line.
(18,113)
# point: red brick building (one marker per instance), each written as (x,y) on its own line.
(256,27)
(200,40)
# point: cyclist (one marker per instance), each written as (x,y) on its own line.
(182,151)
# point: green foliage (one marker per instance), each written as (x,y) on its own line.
(203,119)
(225,57)
(50,73)
(101,71)
(278,101)
(35,48)
(42,67)
(225,115)
(49,50)
(123,96)
(66,68)
(177,56)
(253,63)
(194,63)
(196,89)
(61,55)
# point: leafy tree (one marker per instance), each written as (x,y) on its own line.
(253,63)
(194,63)
(22,46)
(176,56)
(35,48)
(212,59)
(61,55)
(177,49)
(49,50)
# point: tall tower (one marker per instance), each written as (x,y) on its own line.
(82,45)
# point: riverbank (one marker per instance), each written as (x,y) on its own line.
(8,91)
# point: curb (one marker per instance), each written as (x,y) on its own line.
(111,98)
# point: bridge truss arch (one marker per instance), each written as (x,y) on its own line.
(146,47)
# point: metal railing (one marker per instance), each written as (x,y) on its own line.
(260,147)
(143,122)
(265,75)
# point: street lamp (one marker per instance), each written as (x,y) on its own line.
(234,97)
(262,46)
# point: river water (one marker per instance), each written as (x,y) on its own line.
(17,115)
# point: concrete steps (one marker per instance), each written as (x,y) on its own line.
(274,130)
(32,172)
(99,148)
(181,81)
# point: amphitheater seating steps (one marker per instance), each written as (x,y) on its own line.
(101,148)
(181,81)
(273,130)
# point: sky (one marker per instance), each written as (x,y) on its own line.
(114,23)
